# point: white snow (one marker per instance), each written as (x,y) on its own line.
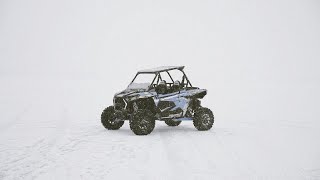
(49,131)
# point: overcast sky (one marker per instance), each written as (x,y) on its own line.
(95,36)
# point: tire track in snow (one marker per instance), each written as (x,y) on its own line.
(312,174)
(245,170)
(184,158)
(203,151)
(105,155)
(74,141)
(32,160)
(48,150)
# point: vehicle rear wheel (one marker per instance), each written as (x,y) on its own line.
(108,119)
(203,119)
(171,122)
(142,122)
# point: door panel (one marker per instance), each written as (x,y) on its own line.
(172,105)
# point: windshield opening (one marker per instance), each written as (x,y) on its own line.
(142,81)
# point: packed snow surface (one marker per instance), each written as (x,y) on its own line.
(54,131)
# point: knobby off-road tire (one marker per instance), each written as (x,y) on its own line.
(142,122)
(171,122)
(203,119)
(108,119)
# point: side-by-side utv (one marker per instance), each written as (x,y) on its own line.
(163,97)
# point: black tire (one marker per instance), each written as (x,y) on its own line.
(203,119)
(171,122)
(142,122)
(108,119)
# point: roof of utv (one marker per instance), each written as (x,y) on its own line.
(161,69)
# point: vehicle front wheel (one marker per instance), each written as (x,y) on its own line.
(171,122)
(108,119)
(203,119)
(142,122)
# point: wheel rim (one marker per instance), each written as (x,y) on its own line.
(206,119)
(144,125)
(111,119)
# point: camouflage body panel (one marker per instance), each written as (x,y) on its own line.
(171,105)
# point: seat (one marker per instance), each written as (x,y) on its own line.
(162,87)
(176,86)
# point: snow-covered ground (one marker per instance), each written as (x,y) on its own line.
(53,131)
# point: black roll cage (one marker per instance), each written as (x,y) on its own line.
(158,77)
